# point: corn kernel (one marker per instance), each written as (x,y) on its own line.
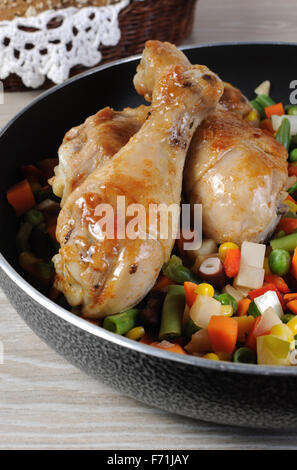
(224,247)
(211,356)
(253,116)
(292,324)
(136,333)
(282,331)
(292,206)
(227,310)
(205,289)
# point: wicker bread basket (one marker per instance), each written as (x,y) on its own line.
(165,20)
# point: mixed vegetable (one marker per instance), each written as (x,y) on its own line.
(223,303)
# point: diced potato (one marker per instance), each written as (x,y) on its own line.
(253,254)
(203,308)
(273,351)
(269,319)
(243,290)
(269,299)
(199,343)
(236,293)
(277,120)
(249,276)
(263,88)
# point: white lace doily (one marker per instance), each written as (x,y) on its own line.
(53,52)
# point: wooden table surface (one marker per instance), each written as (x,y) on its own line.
(45,403)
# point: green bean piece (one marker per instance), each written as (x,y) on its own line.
(292,111)
(216,294)
(177,272)
(172,313)
(283,135)
(253,310)
(34,217)
(293,188)
(265,100)
(123,322)
(280,234)
(293,155)
(288,243)
(287,317)
(258,108)
(245,356)
(22,238)
(279,262)
(190,329)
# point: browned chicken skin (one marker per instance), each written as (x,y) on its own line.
(238,174)
(88,146)
(105,275)
(236,171)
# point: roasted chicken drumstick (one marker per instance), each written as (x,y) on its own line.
(108,275)
(236,171)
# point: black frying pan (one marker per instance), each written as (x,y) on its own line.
(221,392)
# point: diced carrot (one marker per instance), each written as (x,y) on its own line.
(266,124)
(52,232)
(292,305)
(278,282)
(287,224)
(289,297)
(243,306)
(232,262)
(31,173)
(21,197)
(162,283)
(257,292)
(275,109)
(292,171)
(147,339)
(294,264)
(176,348)
(223,333)
(191,295)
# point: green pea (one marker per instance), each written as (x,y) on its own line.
(293,155)
(245,356)
(287,317)
(253,310)
(34,217)
(279,262)
(227,299)
(292,111)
